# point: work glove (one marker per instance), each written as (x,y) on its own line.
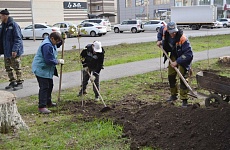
(86,69)
(92,78)
(61,61)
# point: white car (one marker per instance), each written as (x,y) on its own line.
(215,24)
(41,30)
(92,29)
(225,21)
(135,26)
(218,24)
(67,27)
(103,22)
(154,25)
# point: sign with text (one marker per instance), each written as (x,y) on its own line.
(75,5)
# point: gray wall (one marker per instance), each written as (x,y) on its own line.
(140,12)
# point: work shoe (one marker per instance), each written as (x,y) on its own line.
(81,94)
(172,98)
(18,86)
(184,103)
(44,110)
(96,99)
(52,105)
(11,85)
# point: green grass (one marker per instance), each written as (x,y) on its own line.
(60,130)
(122,53)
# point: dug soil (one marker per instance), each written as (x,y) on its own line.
(162,125)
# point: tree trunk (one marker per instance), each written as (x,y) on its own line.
(225,60)
(9,116)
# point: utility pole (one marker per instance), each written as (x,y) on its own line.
(103,7)
(147,10)
(90,9)
(32,13)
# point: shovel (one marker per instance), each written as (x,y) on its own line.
(62,55)
(193,94)
(106,108)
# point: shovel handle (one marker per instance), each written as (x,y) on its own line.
(96,89)
(62,55)
(180,75)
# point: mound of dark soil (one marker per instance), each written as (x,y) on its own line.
(164,126)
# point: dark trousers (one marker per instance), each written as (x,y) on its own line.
(45,90)
(86,78)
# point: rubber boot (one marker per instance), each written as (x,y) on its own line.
(184,103)
(172,98)
(11,85)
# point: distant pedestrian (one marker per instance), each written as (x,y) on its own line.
(11,45)
(92,61)
(44,67)
(177,44)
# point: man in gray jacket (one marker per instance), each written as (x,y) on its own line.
(11,46)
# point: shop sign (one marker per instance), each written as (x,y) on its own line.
(75,5)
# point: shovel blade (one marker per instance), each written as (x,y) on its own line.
(105,109)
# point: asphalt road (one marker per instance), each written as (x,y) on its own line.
(112,38)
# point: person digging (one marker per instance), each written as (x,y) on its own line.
(92,58)
(173,41)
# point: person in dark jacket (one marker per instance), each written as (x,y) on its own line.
(173,41)
(44,68)
(11,45)
(92,60)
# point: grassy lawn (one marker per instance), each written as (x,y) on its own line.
(122,53)
(58,131)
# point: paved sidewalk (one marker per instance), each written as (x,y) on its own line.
(73,79)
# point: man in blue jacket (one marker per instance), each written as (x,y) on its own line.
(11,46)
(173,41)
(44,67)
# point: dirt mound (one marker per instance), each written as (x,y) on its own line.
(164,126)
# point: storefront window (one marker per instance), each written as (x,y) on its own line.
(218,2)
(128,3)
(204,2)
(159,2)
(141,2)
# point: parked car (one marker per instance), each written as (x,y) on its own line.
(67,27)
(225,21)
(153,25)
(92,29)
(135,26)
(41,30)
(216,24)
(103,22)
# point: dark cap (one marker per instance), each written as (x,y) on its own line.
(172,27)
(5,12)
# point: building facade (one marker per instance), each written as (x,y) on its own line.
(53,11)
(154,9)
(106,7)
